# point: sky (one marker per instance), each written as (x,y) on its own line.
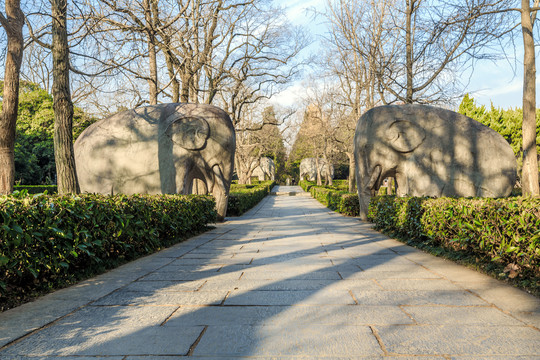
(499,82)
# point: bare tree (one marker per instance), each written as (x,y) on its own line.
(410,51)
(441,38)
(37,66)
(12,22)
(257,135)
(362,41)
(139,19)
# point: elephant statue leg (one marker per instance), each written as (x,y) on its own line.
(220,192)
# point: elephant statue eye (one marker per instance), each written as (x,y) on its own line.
(190,132)
(404,136)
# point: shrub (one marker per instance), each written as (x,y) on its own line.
(506,230)
(37,189)
(48,241)
(349,205)
(337,200)
(244,197)
(306,185)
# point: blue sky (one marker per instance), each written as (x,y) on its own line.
(500,82)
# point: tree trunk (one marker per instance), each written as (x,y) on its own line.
(13,25)
(318,171)
(352,172)
(328,181)
(409,51)
(530,185)
(63,107)
(152,81)
(184,95)
(175,96)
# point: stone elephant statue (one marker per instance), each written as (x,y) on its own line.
(308,169)
(265,170)
(159,149)
(430,152)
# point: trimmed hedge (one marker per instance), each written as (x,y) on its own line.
(48,241)
(338,200)
(506,230)
(244,197)
(36,189)
(306,185)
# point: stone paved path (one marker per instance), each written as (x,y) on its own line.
(290,279)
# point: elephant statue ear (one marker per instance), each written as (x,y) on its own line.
(405,136)
(190,132)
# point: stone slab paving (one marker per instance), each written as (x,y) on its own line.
(289,279)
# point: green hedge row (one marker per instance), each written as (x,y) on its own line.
(338,200)
(507,230)
(48,241)
(36,189)
(244,197)
(306,185)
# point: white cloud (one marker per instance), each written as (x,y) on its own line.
(290,96)
(499,83)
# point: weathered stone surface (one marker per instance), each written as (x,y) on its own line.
(417,297)
(466,315)
(275,340)
(312,297)
(430,152)
(265,170)
(460,339)
(159,149)
(308,169)
(162,298)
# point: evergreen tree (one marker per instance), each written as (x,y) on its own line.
(34,146)
(508,123)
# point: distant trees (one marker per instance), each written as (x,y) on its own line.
(258,135)
(314,139)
